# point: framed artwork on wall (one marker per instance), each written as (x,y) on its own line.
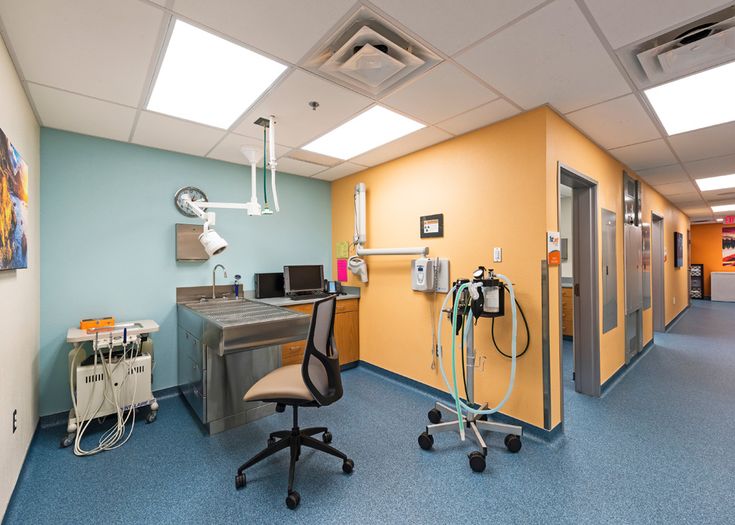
(728,246)
(678,250)
(13,207)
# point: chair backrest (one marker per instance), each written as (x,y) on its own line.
(320,368)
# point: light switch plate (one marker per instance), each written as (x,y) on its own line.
(497,255)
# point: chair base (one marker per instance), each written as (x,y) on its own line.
(294,439)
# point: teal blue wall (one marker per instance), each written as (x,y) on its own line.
(107,240)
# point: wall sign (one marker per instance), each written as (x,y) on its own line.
(730,219)
(553,248)
(432,225)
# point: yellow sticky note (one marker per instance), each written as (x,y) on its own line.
(342,250)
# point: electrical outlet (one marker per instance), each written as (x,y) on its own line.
(15,420)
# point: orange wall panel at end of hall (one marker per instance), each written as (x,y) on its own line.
(707,250)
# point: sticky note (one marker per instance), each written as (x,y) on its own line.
(342,270)
(342,250)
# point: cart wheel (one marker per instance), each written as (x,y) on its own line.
(513,443)
(150,417)
(271,441)
(426,441)
(435,416)
(240,481)
(327,437)
(348,466)
(293,500)
(67,440)
(477,461)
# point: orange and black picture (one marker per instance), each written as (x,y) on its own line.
(728,246)
(13,207)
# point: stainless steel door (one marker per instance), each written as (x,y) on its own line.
(609,271)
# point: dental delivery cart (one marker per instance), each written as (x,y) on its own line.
(113,378)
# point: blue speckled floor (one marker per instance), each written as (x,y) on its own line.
(658,448)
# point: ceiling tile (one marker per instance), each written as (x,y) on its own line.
(441,93)
(686,199)
(716,141)
(712,167)
(296,122)
(100,48)
(283,28)
(552,56)
(676,188)
(626,21)
(229,149)
(664,175)
(298,167)
(343,170)
(450,29)
(696,210)
(645,155)
(160,131)
(71,112)
(420,139)
(479,117)
(616,123)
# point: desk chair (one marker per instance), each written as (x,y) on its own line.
(314,383)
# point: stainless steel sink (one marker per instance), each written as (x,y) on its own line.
(239,324)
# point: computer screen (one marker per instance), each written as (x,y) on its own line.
(303,278)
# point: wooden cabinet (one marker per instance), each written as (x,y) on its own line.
(567,312)
(346,334)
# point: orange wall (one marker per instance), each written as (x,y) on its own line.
(480,182)
(496,186)
(707,250)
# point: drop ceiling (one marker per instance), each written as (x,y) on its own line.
(88,66)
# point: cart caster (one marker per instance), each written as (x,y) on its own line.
(327,437)
(513,443)
(435,415)
(280,407)
(151,416)
(426,441)
(293,500)
(67,440)
(240,481)
(477,461)
(271,441)
(348,466)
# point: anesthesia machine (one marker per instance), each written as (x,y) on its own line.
(481,297)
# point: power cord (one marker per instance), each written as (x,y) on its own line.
(525,323)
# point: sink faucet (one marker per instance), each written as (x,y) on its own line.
(214,278)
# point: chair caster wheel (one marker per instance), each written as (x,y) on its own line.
(67,440)
(477,461)
(271,441)
(348,466)
(426,441)
(280,407)
(151,416)
(513,443)
(327,437)
(293,500)
(435,416)
(240,481)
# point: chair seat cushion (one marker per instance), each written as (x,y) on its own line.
(282,383)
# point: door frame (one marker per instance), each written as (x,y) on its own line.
(585,253)
(658,273)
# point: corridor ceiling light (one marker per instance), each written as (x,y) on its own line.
(723,207)
(716,183)
(720,220)
(368,130)
(209,80)
(697,101)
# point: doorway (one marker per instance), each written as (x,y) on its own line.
(580,355)
(658,303)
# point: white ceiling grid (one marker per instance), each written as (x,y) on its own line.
(88,66)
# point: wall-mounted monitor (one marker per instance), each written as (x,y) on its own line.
(678,250)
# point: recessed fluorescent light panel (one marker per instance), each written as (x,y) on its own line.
(209,80)
(723,207)
(716,183)
(697,101)
(368,130)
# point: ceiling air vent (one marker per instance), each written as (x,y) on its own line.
(371,55)
(698,45)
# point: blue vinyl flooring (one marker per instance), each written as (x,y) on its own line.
(657,448)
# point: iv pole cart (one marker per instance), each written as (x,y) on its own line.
(113,379)
(481,297)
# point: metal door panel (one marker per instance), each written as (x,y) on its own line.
(609,271)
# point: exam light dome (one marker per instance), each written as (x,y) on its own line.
(213,243)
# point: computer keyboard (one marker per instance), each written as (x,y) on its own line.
(309,296)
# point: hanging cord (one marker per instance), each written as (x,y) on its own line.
(464,374)
(265,169)
(525,323)
(432,309)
